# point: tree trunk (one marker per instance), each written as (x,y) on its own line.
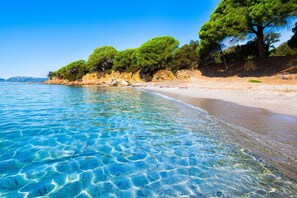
(223,57)
(260,42)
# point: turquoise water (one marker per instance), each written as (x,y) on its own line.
(59,141)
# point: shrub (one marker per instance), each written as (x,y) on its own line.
(255,81)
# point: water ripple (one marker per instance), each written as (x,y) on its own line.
(58,141)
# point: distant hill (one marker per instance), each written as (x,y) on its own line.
(23,79)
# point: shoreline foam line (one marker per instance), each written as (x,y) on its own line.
(256,143)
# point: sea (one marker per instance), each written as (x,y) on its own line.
(67,141)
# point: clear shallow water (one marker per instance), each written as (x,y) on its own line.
(59,141)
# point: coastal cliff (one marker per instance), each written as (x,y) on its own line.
(125,78)
(113,78)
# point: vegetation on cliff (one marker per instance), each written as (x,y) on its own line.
(101,59)
(72,72)
(252,23)
(158,53)
(123,60)
(154,54)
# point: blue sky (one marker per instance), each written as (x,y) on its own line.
(38,36)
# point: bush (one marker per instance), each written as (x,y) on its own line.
(255,81)
(283,50)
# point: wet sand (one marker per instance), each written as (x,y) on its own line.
(271,135)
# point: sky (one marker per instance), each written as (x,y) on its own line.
(38,36)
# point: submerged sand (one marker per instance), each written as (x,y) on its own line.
(267,111)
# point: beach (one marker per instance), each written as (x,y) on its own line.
(268,111)
(261,112)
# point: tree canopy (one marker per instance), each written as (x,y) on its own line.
(245,19)
(185,57)
(151,56)
(154,54)
(73,71)
(123,60)
(101,59)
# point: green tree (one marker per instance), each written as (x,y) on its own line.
(51,74)
(249,50)
(244,19)
(73,71)
(270,39)
(211,52)
(293,41)
(284,50)
(185,57)
(101,59)
(123,60)
(154,54)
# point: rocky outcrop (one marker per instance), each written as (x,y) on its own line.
(113,78)
(91,79)
(181,74)
(163,75)
(119,82)
(188,74)
(57,81)
(125,78)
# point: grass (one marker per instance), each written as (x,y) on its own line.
(254,81)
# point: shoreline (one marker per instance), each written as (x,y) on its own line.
(268,132)
(278,98)
(266,111)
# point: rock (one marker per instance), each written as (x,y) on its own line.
(136,78)
(113,78)
(73,83)
(124,83)
(250,66)
(164,86)
(56,81)
(163,75)
(91,79)
(220,194)
(119,82)
(114,83)
(283,77)
(187,74)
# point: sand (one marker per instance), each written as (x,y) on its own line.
(267,110)
(278,98)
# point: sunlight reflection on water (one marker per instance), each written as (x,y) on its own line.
(61,141)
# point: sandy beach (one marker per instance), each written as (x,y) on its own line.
(276,96)
(268,111)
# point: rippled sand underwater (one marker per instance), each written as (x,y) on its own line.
(59,141)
